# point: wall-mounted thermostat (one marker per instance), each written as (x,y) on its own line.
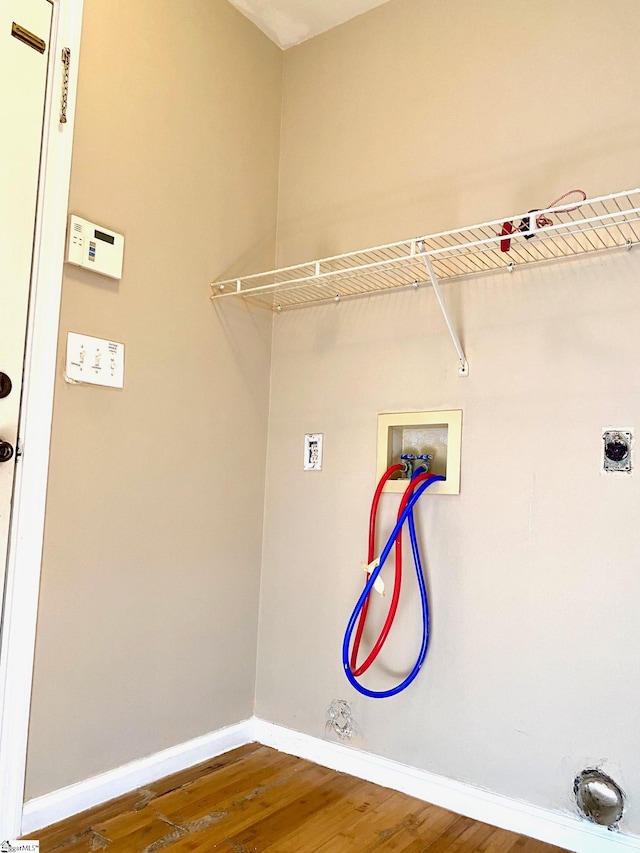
(94,247)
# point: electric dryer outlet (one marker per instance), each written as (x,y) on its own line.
(617,450)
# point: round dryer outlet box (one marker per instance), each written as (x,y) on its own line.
(617,450)
(598,797)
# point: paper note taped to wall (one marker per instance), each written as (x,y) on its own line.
(94,361)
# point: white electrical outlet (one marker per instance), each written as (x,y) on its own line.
(313,451)
(94,361)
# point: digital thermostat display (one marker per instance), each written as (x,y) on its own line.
(95,247)
(108,238)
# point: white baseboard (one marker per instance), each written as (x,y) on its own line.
(562,829)
(76,798)
(565,830)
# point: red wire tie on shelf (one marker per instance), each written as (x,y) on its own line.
(542,221)
(507,228)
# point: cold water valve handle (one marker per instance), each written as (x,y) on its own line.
(409,458)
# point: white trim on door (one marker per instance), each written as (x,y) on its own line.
(25,548)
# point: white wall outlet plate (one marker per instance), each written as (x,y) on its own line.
(313,451)
(94,361)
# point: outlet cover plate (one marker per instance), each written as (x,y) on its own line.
(313,442)
(617,435)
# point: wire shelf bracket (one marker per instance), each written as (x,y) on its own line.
(463,366)
(569,230)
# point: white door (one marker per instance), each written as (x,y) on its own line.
(25,32)
(26,110)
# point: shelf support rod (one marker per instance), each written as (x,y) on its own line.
(463,367)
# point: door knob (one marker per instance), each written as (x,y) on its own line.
(5,385)
(6,451)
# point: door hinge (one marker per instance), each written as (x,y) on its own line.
(66,62)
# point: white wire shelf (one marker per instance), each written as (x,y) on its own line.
(597,224)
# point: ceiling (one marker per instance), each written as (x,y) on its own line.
(289,22)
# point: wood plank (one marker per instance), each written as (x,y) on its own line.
(522,844)
(473,838)
(502,842)
(135,831)
(245,812)
(76,825)
(199,771)
(359,806)
(87,842)
(220,789)
(363,830)
(267,830)
(418,834)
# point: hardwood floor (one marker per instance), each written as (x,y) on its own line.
(257,800)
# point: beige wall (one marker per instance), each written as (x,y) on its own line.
(148,612)
(424,115)
(417,117)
